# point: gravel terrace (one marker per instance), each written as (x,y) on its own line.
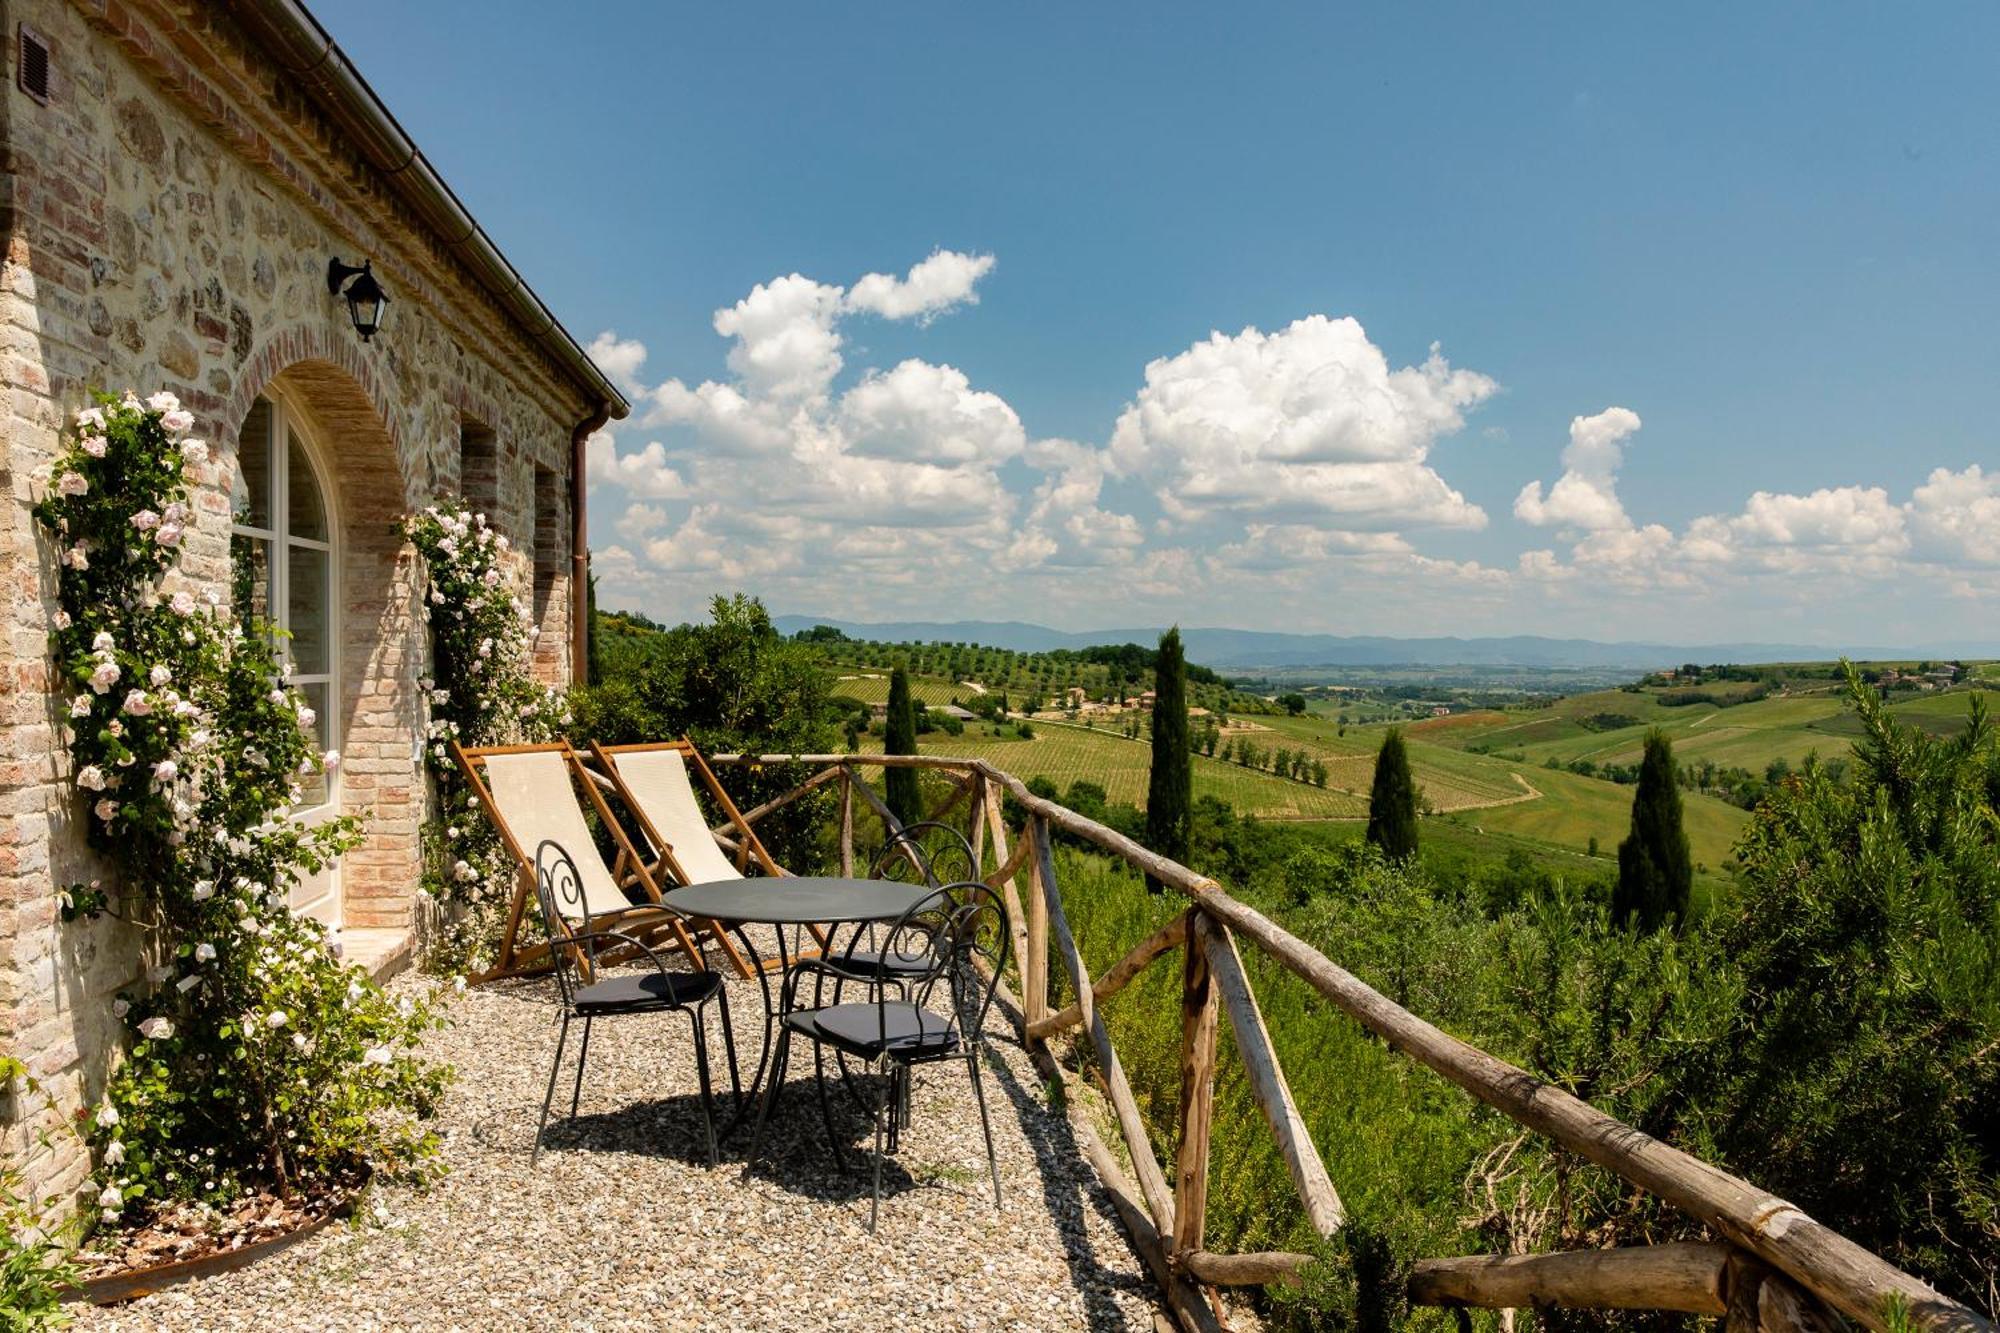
(624,1225)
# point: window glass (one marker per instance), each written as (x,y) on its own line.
(313,786)
(250,492)
(308,607)
(282,566)
(305,511)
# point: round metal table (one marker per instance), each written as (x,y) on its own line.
(797,902)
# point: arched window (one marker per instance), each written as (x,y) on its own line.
(282,545)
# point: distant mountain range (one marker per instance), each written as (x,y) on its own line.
(1240,649)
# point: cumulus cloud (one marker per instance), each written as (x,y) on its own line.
(1955,516)
(1308,421)
(646,474)
(787,479)
(932,287)
(620,358)
(1585,497)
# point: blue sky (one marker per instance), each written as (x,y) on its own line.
(1765,237)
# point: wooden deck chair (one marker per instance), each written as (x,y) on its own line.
(527,791)
(652,782)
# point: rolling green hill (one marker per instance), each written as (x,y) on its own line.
(1609,727)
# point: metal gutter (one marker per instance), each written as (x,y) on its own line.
(289,32)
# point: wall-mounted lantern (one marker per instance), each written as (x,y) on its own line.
(365,298)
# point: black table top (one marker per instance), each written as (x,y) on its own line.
(796,900)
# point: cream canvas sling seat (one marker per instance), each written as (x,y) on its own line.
(653,782)
(529,792)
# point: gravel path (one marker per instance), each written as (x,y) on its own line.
(624,1225)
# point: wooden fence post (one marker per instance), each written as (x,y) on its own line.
(1035,967)
(846,822)
(1198,1026)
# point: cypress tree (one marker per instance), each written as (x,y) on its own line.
(1170,783)
(900,737)
(1655,867)
(1392,802)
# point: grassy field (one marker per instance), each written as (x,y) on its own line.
(873,688)
(1063,754)
(1786,726)
(1576,809)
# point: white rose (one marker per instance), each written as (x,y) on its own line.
(145,520)
(160,674)
(91,778)
(107,810)
(103,642)
(307,717)
(204,952)
(277,1019)
(72,483)
(104,677)
(164,402)
(177,423)
(107,1116)
(114,1153)
(80,706)
(330,760)
(60,620)
(95,445)
(90,418)
(165,771)
(138,704)
(204,889)
(111,1200)
(77,557)
(156,1028)
(169,534)
(376,1055)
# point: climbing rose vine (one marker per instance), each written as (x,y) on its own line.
(482,691)
(257,1059)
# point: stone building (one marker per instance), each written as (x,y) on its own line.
(177,176)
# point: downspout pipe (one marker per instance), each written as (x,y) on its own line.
(579,544)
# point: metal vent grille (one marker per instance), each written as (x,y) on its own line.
(34,65)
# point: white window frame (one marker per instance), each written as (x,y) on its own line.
(288,424)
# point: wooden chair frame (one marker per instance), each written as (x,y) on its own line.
(749,845)
(641,918)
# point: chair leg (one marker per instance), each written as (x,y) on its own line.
(701,1075)
(776,1077)
(875,1203)
(582,1054)
(985,1122)
(729,1048)
(555,1066)
(825,1105)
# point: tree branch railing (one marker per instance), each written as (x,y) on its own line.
(1772,1268)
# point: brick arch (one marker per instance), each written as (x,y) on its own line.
(310,342)
(344,394)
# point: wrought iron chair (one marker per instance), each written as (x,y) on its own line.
(579,954)
(905,858)
(960,931)
(928,852)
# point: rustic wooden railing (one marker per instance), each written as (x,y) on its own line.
(1770,1268)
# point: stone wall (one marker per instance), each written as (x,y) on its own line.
(168,225)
